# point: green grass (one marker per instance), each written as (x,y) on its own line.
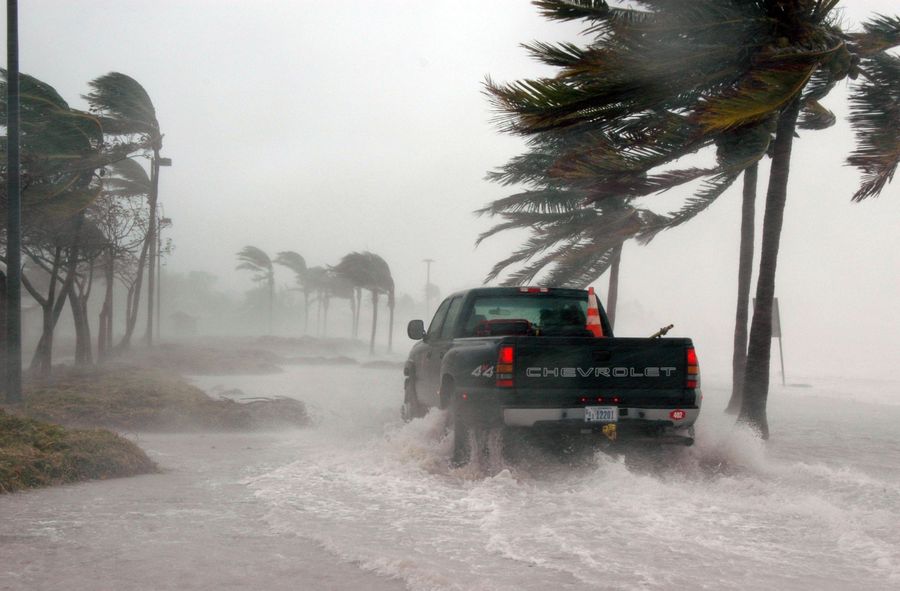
(127,398)
(33,454)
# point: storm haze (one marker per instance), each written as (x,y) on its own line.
(326,128)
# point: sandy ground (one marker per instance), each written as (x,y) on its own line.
(194,527)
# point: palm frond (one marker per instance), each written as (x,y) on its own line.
(293,261)
(123,103)
(815,117)
(875,119)
(571,10)
(709,192)
(880,34)
(255,259)
(758,94)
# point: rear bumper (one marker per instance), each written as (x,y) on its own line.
(574,417)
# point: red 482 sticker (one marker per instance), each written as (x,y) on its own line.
(677,414)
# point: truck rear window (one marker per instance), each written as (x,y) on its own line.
(527,314)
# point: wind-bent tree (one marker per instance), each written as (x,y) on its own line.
(296,263)
(257,261)
(315,284)
(91,245)
(126,223)
(578,242)
(367,270)
(125,110)
(62,150)
(674,77)
(353,269)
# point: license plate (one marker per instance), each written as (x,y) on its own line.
(601,414)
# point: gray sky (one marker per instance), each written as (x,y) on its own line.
(327,127)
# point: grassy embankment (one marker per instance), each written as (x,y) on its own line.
(118,397)
(33,453)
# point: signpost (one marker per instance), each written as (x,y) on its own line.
(776,333)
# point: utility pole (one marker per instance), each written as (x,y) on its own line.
(163,222)
(427,286)
(153,232)
(13,211)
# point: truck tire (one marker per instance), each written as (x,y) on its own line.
(412,408)
(462,451)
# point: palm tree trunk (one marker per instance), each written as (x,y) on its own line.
(271,286)
(756,375)
(305,311)
(135,300)
(151,239)
(358,310)
(352,312)
(745,272)
(104,336)
(374,321)
(613,297)
(42,359)
(82,330)
(391,303)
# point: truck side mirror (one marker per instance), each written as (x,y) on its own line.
(415,330)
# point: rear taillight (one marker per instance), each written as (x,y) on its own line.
(692,379)
(506,360)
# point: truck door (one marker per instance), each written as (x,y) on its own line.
(439,338)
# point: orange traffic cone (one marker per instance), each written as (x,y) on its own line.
(593,314)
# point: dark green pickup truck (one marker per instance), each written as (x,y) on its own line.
(524,358)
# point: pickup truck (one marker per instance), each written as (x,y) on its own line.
(524,357)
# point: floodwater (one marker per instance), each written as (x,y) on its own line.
(362,501)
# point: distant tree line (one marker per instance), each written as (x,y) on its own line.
(354,273)
(89,209)
(660,80)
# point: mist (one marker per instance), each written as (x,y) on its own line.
(329,128)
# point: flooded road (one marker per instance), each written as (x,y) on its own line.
(361,500)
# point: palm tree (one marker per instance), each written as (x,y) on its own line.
(126,182)
(125,109)
(725,70)
(296,263)
(257,261)
(316,281)
(366,270)
(61,150)
(353,269)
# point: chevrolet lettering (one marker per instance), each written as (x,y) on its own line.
(615,372)
(545,359)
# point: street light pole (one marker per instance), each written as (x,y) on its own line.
(13,211)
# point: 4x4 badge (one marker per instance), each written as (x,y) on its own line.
(485,371)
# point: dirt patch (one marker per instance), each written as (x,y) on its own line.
(34,454)
(205,359)
(129,398)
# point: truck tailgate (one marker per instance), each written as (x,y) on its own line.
(568,369)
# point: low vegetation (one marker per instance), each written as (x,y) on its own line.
(33,454)
(129,398)
(58,435)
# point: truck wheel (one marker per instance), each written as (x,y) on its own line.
(412,408)
(462,451)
